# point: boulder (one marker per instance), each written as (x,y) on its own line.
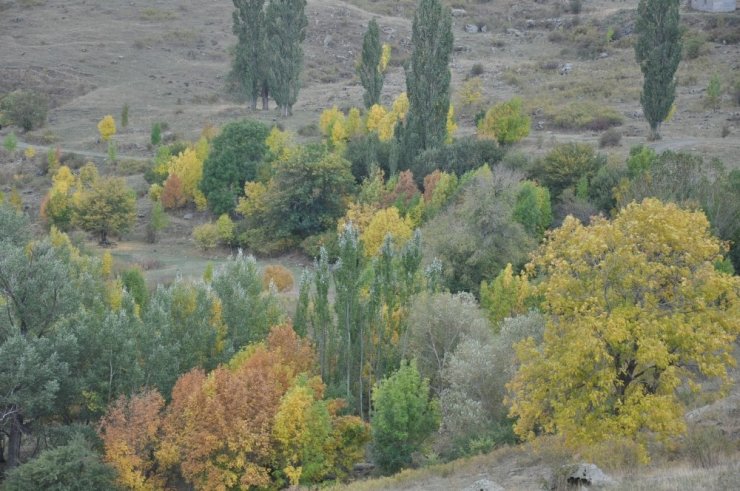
(459,12)
(589,475)
(471,28)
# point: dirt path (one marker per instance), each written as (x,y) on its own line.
(102,157)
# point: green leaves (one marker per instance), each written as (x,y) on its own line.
(368,69)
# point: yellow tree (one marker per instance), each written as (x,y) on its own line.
(374,117)
(107,127)
(384,222)
(506,122)
(189,168)
(635,308)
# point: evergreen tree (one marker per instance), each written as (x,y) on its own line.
(286,30)
(368,68)
(249,65)
(658,51)
(428,80)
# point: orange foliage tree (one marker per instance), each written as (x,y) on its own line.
(259,421)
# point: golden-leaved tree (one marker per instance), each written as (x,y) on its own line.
(635,309)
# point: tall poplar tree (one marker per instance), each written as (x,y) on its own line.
(286,30)
(658,51)
(428,79)
(249,66)
(368,68)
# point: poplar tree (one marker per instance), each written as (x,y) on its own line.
(286,30)
(249,65)
(368,68)
(428,79)
(658,51)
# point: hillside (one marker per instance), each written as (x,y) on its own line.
(168,61)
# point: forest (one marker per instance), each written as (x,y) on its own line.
(457,295)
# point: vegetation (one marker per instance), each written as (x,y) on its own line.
(505,123)
(368,68)
(658,51)
(107,208)
(286,30)
(249,66)
(639,338)
(26,109)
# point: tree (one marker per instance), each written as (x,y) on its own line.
(286,30)
(567,164)
(71,467)
(404,417)
(368,67)
(108,207)
(658,51)
(235,154)
(428,78)
(249,65)
(635,310)
(26,109)
(107,127)
(505,122)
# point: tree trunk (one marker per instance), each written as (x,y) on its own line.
(104,237)
(14,441)
(265,98)
(254,103)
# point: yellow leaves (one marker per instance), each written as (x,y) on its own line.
(328,118)
(375,116)
(385,57)
(471,92)
(279,143)
(505,122)
(189,168)
(401,106)
(385,222)
(63,180)
(114,294)
(451,125)
(253,201)
(631,301)
(355,126)
(106,265)
(30,152)
(107,127)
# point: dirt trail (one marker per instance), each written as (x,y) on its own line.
(85,153)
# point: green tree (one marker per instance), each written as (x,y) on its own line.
(635,310)
(156,134)
(428,79)
(235,155)
(26,109)
(533,209)
(404,417)
(158,220)
(249,66)
(135,284)
(71,467)
(307,193)
(567,164)
(714,92)
(286,30)
(368,68)
(658,51)
(124,115)
(107,207)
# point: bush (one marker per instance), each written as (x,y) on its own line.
(505,122)
(476,70)
(575,6)
(155,136)
(10,142)
(279,276)
(404,417)
(463,155)
(206,236)
(586,115)
(610,138)
(173,193)
(135,284)
(366,152)
(566,164)
(693,46)
(26,109)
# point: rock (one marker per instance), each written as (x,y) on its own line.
(604,55)
(723,414)
(589,475)
(328,41)
(514,32)
(566,69)
(530,23)
(483,28)
(471,28)
(459,12)
(187,216)
(483,485)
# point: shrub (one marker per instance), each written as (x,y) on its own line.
(566,164)
(107,127)
(505,122)
(225,229)
(533,208)
(26,109)
(173,194)
(155,136)
(610,138)
(278,275)
(135,284)
(714,92)
(10,142)
(463,155)
(586,115)
(476,70)
(575,6)
(124,115)
(693,46)
(206,236)
(404,417)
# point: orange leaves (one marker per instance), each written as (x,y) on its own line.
(258,422)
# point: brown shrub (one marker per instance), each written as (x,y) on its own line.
(278,275)
(173,195)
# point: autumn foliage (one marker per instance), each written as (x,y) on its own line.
(278,275)
(260,421)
